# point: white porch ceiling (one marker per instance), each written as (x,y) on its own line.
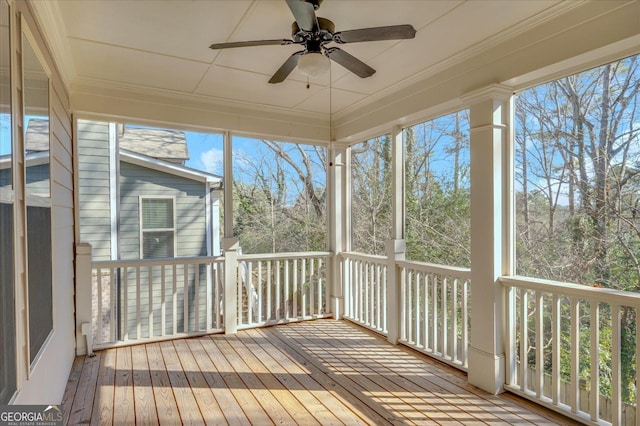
(162,46)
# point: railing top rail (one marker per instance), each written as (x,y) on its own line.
(292,255)
(156,262)
(608,295)
(363,256)
(435,268)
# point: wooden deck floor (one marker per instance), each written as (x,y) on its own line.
(319,372)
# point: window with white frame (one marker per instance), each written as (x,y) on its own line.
(37,159)
(157,228)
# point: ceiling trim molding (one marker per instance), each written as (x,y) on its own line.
(49,18)
(88,85)
(542,46)
(500,92)
(182,112)
(472,51)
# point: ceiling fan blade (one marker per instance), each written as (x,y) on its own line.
(393,32)
(350,62)
(286,68)
(304,13)
(250,43)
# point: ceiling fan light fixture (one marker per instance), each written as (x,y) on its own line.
(313,64)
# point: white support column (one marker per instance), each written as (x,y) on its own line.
(215,223)
(231,246)
(397,183)
(83,295)
(114,189)
(394,250)
(338,185)
(228,184)
(490,112)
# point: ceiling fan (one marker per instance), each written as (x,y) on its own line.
(314,33)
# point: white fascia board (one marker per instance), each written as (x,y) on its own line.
(167,167)
(32,159)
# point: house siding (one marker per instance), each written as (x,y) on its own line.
(189,198)
(94,190)
(190,237)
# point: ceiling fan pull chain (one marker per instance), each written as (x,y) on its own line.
(308,85)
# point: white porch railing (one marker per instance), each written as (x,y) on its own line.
(134,301)
(365,297)
(553,332)
(432,299)
(552,327)
(153,299)
(434,314)
(283,287)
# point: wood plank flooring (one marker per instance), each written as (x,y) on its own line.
(322,372)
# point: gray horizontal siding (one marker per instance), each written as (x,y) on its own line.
(93,191)
(136,181)
(134,316)
(190,241)
(190,209)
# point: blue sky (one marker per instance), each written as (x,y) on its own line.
(249,155)
(5,136)
(205,152)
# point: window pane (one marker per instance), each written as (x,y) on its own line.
(40,279)
(371,213)
(5,103)
(157,213)
(38,197)
(157,244)
(438,204)
(7,312)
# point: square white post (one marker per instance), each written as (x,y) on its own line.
(231,246)
(83,295)
(397,183)
(490,116)
(215,222)
(337,226)
(394,250)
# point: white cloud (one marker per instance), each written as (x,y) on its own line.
(212,161)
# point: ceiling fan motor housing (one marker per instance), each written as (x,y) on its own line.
(326,29)
(316,3)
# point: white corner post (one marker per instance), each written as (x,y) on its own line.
(395,248)
(228,184)
(231,246)
(215,222)
(490,143)
(338,224)
(83,298)
(394,251)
